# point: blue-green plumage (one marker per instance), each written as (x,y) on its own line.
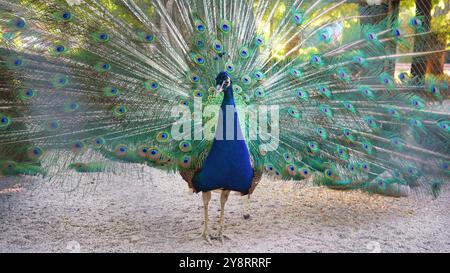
(227,165)
(100,81)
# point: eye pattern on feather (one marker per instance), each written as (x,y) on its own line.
(349,113)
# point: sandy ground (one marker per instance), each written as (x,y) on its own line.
(150,211)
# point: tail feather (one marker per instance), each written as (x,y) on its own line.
(112,77)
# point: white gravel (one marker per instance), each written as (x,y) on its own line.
(150,211)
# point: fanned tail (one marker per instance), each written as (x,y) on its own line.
(103,81)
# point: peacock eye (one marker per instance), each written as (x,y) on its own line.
(20,23)
(29,93)
(397,32)
(54,124)
(200,27)
(416,22)
(149,37)
(66,15)
(103,36)
(298,18)
(60,48)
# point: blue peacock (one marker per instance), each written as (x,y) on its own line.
(87,84)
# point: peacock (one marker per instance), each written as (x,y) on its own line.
(224,92)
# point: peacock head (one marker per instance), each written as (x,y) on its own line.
(223,80)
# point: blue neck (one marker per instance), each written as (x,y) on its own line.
(228,98)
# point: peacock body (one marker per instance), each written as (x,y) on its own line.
(89,83)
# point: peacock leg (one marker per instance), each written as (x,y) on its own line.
(245,202)
(206,198)
(223,199)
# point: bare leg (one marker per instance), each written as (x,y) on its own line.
(245,201)
(206,198)
(223,199)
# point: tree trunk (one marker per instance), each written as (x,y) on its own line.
(436,62)
(394,9)
(421,42)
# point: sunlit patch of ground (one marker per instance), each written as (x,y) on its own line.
(146,210)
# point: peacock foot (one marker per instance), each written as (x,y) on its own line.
(206,237)
(221,237)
